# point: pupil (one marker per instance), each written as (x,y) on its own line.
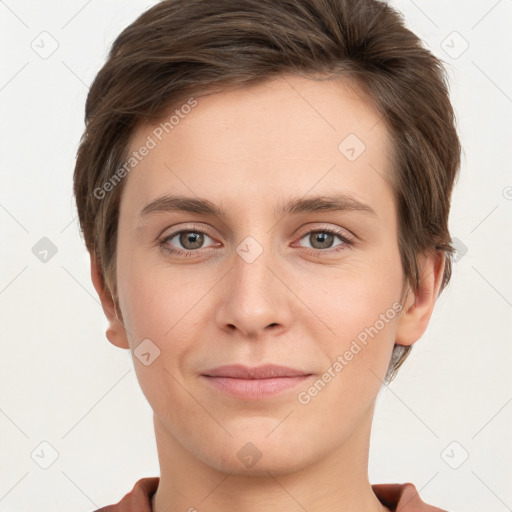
(191,240)
(325,240)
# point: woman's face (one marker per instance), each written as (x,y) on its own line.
(312,288)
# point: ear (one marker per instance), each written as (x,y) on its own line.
(418,306)
(116,333)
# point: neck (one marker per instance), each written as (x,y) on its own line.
(335,481)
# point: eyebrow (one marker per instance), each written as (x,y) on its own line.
(335,202)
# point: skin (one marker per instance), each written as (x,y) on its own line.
(298,304)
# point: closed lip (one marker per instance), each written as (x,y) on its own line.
(268,371)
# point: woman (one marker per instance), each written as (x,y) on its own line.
(264,190)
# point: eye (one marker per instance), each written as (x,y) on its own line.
(322,239)
(190,240)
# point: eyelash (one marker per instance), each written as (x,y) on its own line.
(347,241)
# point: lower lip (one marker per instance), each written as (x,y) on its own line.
(254,389)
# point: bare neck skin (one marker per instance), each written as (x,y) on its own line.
(336,482)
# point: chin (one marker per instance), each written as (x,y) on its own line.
(259,454)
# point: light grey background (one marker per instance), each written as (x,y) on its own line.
(63,384)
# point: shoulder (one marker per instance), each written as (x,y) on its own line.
(404,497)
(139,498)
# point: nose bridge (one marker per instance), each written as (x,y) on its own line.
(255,297)
(251,275)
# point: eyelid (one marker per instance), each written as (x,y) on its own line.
(308,229)
(345,233)
(189,227)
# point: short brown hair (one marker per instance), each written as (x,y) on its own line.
(180,48)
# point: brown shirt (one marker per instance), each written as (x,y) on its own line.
(397,497)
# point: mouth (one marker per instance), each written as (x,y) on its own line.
(255,383)
(268,371)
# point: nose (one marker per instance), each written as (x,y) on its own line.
(254,298)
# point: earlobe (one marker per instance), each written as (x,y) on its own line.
(116,333)
(419,305)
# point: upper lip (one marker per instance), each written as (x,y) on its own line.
(239,371)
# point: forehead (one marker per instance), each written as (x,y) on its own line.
(280,138)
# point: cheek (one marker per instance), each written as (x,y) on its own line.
(361,308)
(355,297)
(157,305)
(357,355)
(164,305)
